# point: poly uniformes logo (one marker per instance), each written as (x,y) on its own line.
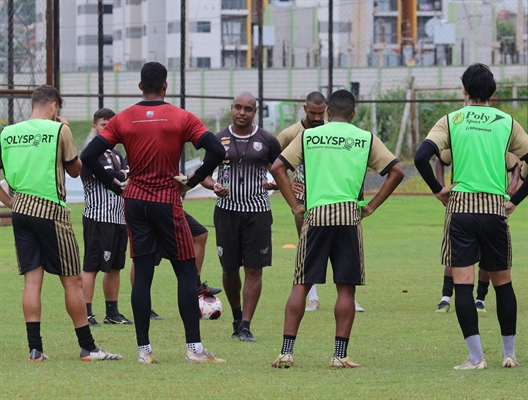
(458,118)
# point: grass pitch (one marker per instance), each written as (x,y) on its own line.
(405,349)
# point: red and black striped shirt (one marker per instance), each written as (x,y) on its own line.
(154,134)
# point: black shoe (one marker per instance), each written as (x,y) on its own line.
(37,356)
(204,290)
(155,316)
(245,335)
(235,334)
(118,319)
(92,322)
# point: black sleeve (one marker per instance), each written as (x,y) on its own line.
(90,158)
(520,194)
(214,155)
(422,163)
(275,149)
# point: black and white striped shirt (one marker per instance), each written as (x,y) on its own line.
(100,204)
(245,167)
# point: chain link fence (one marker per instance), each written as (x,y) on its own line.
(402,59)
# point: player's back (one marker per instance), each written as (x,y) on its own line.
(153,134)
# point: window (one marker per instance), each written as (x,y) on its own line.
(429,5)
(87,9)
(234,4)
(93,9)
(108,39)
(202,62)
(173,27)
(117,3)
(134,32)
(144,30)
(203,26)
(385,30)
(134,2)
(385,5)
(234,31)
(118,35)
(87,40)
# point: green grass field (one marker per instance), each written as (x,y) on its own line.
(406,350)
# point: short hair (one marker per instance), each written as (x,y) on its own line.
(103,113)
(153,76)
(479,82)
(45,94)
(316,98)
(342,103)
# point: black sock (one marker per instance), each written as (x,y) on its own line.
(85,338)
(244,324)
(465,310)
(111,308)
(341,345)
(447,289)
(482,290)
(33,336)
(198,281)
(237,314)
(89,309)
(506,309)
(288,341)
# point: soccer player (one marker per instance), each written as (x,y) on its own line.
(104,230)
(476,223)
(35,154)
(332,215)
(314,109)
(242,214)
(153,133)
(483,277)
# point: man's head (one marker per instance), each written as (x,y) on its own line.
(46,97)
(101,118)
(478,82)
(243,110)
(314,108)
(341,104)
(153,78)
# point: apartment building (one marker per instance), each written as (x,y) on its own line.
(221,33)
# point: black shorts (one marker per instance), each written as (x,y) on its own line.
(105,246)
(342,245)
(243,238)
(158,228)
(46,242)
(196,228)
(472,238)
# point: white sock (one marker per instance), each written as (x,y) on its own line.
(195,347)
(475,348)
(446,298)
(146,348)
(508,343)
(312,294)
(480,301)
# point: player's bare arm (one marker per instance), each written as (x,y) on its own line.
(5,198)
(394,177)
(279,172)
(216,187)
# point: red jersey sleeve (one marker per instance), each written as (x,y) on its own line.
(194,129)
(110,131)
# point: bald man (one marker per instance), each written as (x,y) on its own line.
(242,215)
